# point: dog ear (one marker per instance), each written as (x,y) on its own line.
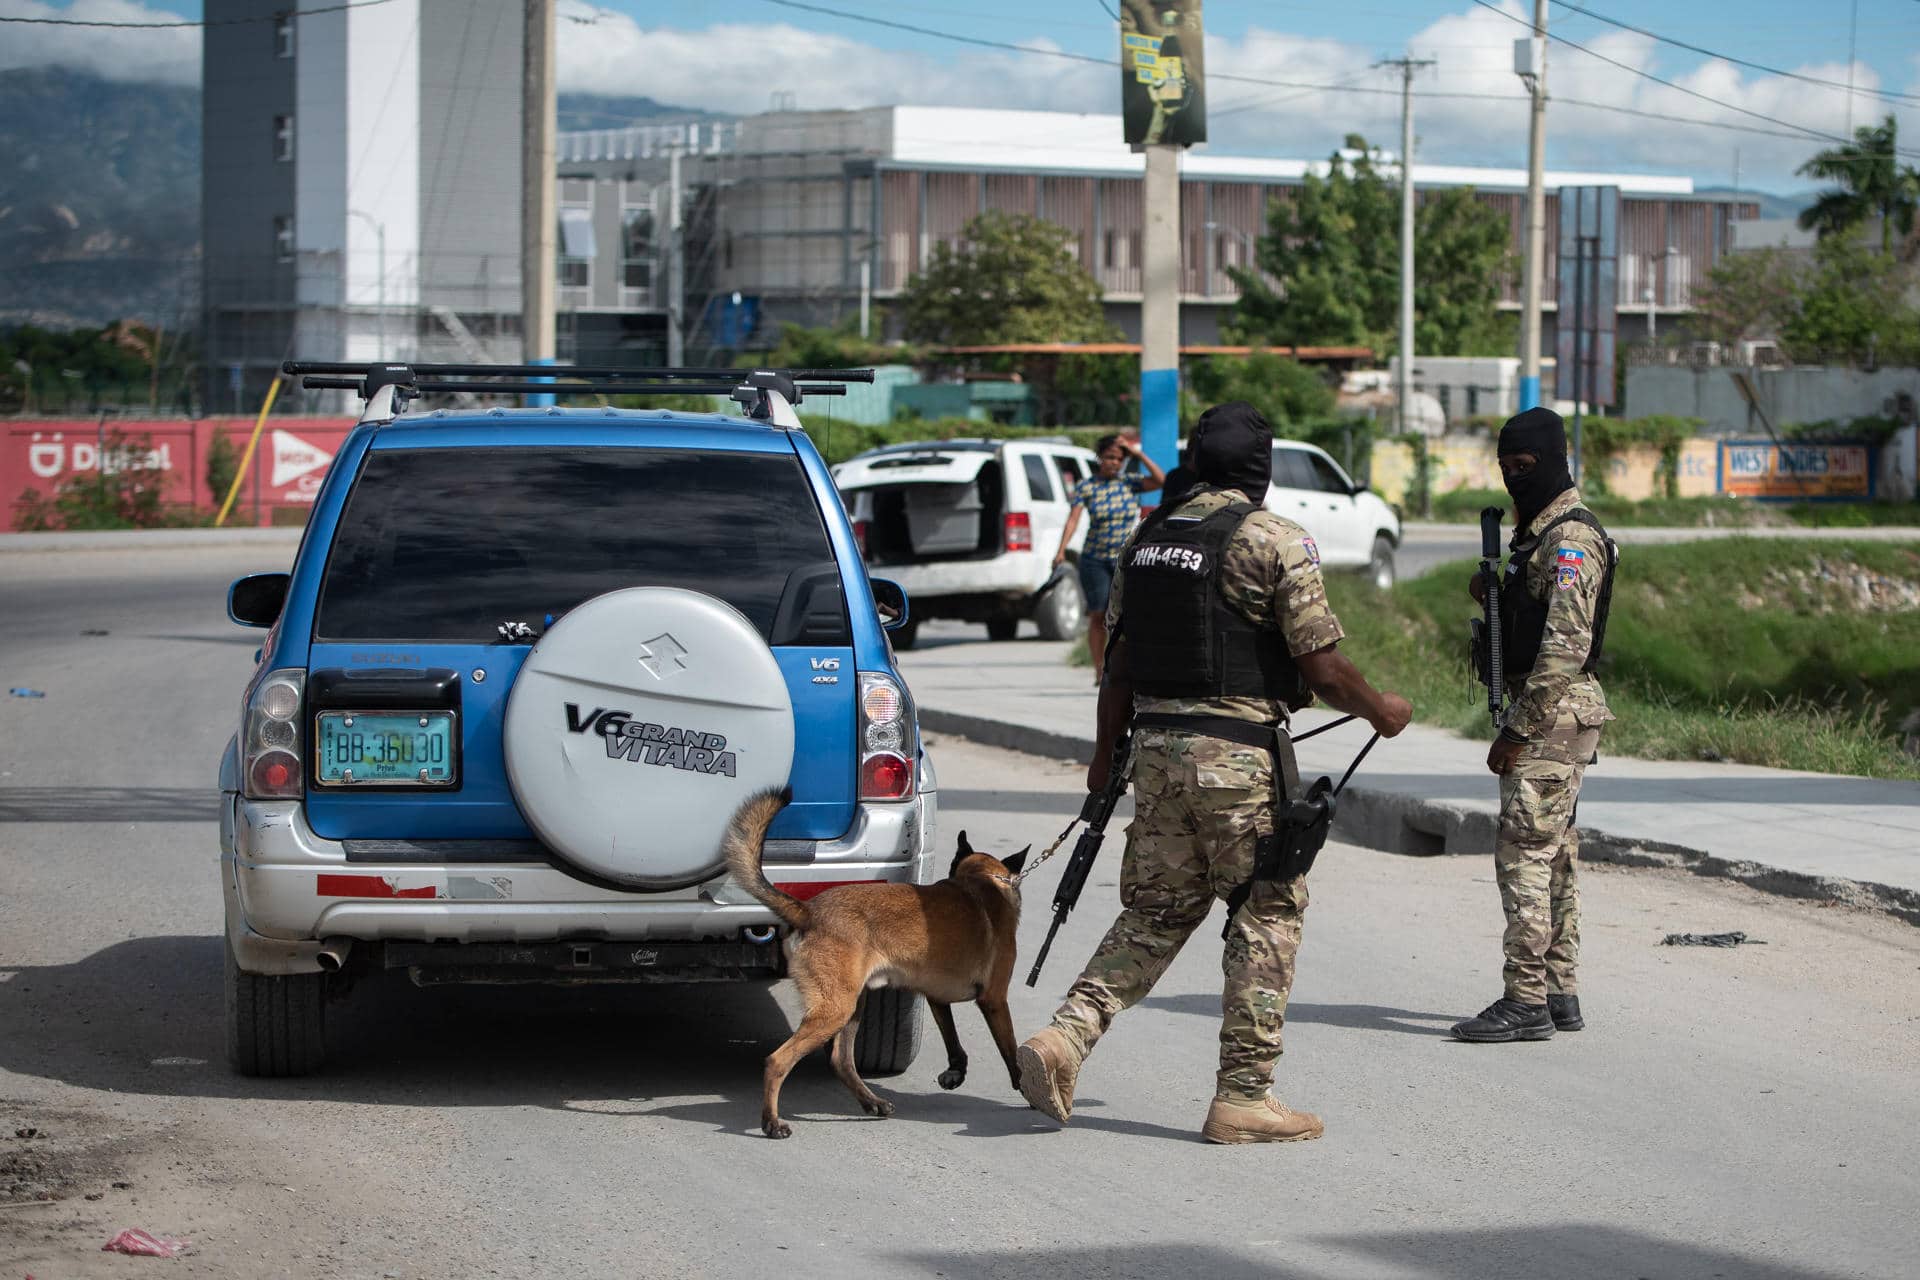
(965,848)
(1013,864)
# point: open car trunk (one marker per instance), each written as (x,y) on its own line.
(919,507)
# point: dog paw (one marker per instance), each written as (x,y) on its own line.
(879,1107)
(777,1129)
(952,1078)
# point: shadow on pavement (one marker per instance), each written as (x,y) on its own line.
(109,804)
(1564,1251)
(1359,1017)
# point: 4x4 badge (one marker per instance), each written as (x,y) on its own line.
(663,656)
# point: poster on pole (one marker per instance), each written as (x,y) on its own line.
(1585,294)
(1162,72)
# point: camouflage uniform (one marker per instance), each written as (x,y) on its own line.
(1199,805)
(1558,709)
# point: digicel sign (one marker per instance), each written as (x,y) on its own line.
(288,465)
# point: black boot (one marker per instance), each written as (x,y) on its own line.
(1565,1011)
(1505,1020)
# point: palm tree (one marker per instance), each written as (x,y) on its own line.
(1872,183)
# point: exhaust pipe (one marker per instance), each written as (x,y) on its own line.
(760,934)
(333,954)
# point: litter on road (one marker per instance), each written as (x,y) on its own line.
(144,1245)
(1733,939)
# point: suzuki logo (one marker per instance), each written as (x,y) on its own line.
(294,457)
(825,664)
(663,656)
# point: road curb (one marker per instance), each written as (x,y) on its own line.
(1396,822)
(149,539)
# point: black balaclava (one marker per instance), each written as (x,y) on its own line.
(1232,448)
(1541,433)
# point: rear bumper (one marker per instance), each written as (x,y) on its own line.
(1012,574)
(289,892)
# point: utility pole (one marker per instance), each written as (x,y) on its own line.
(676,266)
(1160,305)
(1530,64)
(1407,67)
(537,176)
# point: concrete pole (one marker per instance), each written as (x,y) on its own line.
(537,176)
(676,268)
(1536,215)
(1407,67)
(866,295)
(1160,307)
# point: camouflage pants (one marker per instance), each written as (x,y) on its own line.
(1199,805)
(1536,861)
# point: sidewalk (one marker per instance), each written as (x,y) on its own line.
(1427,792)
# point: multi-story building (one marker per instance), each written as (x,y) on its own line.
(789,211)
(360,185)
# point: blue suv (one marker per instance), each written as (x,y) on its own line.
(526,666)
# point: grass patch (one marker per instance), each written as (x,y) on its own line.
(1787,653)
(1462,506)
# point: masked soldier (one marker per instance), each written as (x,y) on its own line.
(1220,627)
(1553,602)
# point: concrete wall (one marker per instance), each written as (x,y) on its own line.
(1788,395)
(470,57)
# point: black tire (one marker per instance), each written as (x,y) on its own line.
(904,635)
(890,1025)
(1062,612)
(276,1024)
(1380,571)
(1002,628)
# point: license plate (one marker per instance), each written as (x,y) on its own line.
(392,749)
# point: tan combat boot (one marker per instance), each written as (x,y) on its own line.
(1049,1065)
(1267,1120)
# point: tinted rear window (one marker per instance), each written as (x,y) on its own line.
(447,544)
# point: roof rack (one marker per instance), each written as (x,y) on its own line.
(763,392)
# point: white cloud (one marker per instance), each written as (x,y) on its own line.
(736,67)
(169,55)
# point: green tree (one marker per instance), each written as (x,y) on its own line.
(1872,183)
(1747,295)
(1010,278)
(838,346)
(1286,391)
(1853,305)
(1332,253)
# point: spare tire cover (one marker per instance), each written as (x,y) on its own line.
(637,726)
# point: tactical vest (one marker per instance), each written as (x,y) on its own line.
(1523,619)
(1183,639)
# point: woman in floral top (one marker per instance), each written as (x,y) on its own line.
(1111,501)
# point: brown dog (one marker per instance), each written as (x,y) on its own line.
(951,942)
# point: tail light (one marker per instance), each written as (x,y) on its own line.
(1019,531)
(272,749)
(887,747)
(860,537)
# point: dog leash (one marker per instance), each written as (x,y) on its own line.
(1061,839)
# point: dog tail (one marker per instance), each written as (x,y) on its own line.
(746,835)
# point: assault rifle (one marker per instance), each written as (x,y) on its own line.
(1489,664)
(1095,813)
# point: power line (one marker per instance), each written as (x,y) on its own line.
(1818,134)
(1800,132)
(217,22)
(1727,57)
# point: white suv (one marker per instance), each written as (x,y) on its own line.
(1352,526)
(969,528)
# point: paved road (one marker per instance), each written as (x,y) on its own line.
(1739,1113)
(1425,545)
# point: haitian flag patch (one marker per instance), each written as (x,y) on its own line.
(1313,549)
(1567,566)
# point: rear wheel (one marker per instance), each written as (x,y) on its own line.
(1380,563)
(889,1038)
(276,1023)
(1062,612)
(1002,628)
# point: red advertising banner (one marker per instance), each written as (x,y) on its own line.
(39,455)
(1763,469)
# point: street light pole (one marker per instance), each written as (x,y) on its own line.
(1530,63)
(380,292)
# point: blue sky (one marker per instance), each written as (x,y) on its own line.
(732,55)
